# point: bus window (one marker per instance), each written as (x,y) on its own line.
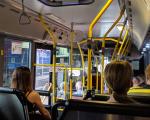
(16,53)
(42,75)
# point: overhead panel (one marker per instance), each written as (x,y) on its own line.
(58,3)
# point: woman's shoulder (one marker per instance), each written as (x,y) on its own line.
(33,96)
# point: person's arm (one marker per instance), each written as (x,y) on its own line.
(35,98)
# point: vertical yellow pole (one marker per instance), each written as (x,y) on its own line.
(83,66)
(124,39)
(103,48)
(125,47)
(51,34)
(116,47)
(65,82)
(129,45)
(71,58)
(97,75)
(90,38)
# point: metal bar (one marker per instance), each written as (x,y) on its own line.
(51,34)
(65,83)
(125,47)
(71,57)
(49,65)
(103,48)
(90,37)
(83,65)
(116,47)
(98,17)
(124,39)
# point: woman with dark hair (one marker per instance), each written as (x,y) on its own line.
(21,79)
(118,76)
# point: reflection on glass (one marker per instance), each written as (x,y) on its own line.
(43,56)
(16,53)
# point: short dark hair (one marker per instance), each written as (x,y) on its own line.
(118,75)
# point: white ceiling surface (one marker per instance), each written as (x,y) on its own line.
(80,14)
(140,20)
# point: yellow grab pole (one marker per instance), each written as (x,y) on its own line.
(71,58)
(82,42)
(125,47)
(83,65)
(90,38)
(130,43)
(98,17)
(49,65)
(51,34)
(103,47)
(99,39)
(107,39)
(65,83)
(96,75)
(116,47)
(124,39)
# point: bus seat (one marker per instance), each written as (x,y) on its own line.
(12,106)
(90,110)
(144,99)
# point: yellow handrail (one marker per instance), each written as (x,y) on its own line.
(71,58)
(98,17)
(51,34)
(83,65)
(100,39)
(116,47)
(49,65)
(90,37)
(125,47)
(103,47)
(65,83)
(124,39)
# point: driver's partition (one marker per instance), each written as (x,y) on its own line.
(90,110)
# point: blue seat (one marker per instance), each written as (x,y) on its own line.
(12,105)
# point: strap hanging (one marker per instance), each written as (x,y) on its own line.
(24,15)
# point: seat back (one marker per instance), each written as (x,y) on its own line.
(90,110)
(12,106)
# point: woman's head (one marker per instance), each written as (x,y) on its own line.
(118,75)
(21,79)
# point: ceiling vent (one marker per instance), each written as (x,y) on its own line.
(59,3)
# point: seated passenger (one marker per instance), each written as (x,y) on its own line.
(79,91)
(145,89)
(21,79)
(118,76)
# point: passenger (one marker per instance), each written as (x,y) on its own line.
(118,76)
(145,89)
(136,82)
(79,91)
(147,75)
(21,79)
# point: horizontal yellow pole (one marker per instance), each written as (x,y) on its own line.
(107,39)
(100,39)
(49,65)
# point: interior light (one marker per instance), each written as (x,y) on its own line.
(147,45)
(142,52)
(144,49)
(120,27)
